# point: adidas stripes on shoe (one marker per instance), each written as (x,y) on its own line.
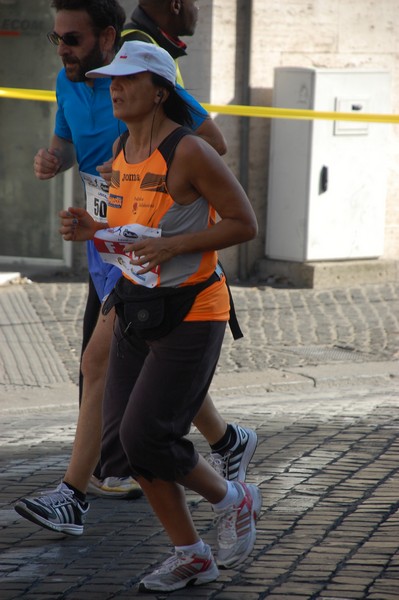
(236,526)
(58,510)
(181,570)
(233,463)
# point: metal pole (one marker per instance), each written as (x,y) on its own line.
(245,52)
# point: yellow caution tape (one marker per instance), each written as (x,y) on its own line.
(234,109)
(22,94)
(294,113)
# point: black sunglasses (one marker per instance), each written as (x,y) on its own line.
(69,39)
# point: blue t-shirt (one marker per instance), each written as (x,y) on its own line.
(85,118)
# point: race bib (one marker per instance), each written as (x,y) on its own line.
(96,190)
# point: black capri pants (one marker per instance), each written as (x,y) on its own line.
(153,392)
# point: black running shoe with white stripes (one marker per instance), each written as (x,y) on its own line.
(234,461)
(58,510)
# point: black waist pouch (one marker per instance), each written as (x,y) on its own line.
(151,313)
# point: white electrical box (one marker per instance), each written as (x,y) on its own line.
(328,178)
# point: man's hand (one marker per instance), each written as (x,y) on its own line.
(47,163)
(105,170)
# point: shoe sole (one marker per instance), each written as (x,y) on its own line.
(247,456)
(34,518)
(200,579)
(256,508)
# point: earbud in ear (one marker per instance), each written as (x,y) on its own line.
(160,94)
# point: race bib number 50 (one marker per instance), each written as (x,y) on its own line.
(96,190)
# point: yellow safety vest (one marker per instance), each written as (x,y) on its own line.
(179,77)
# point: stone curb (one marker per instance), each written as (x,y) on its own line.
(227,388)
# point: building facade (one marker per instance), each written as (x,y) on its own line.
(231,61)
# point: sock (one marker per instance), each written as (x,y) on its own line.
(197,548)
(230,498)
(79,495)
(226,441)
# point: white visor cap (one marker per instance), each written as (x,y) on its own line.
(139,57)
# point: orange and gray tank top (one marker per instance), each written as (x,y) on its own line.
(138,194)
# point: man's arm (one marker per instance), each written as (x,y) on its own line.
(211,133)
(59,157)
(203,125)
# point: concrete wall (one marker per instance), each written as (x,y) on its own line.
(28,207)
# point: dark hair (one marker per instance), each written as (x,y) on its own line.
(174,106)
(103,13)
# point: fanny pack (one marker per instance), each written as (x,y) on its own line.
(151,313)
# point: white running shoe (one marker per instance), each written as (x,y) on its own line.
(236,526)
(181,570)
(114,487)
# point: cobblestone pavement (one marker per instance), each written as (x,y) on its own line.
(327,461)
(283,327)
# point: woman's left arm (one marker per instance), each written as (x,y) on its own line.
(197,170)
(76,225)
